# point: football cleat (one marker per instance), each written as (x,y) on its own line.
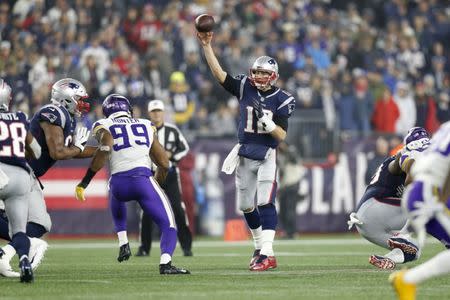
(26,270)
(141,252)
(404,245)
(187,252)
(124,252)
(5,268)
(382,262)
(168,269)
(38,247)
(255,257)
(404,290)
(264,263)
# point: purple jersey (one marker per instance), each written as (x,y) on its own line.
(278,105)
(13,132)
(55,115)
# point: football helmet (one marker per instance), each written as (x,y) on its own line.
(269,66)
(5,95)
(70,93)
(116,105)
(417,137)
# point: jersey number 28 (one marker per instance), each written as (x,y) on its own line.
(16,133)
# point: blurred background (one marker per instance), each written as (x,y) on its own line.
(362,73)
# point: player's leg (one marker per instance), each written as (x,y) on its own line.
(4,227)
(39,223)
(146,231)
(155,203)
(119,214)
(172,190)
(266,193)
(380,221)
(426,214)
(246,190)
(16,195)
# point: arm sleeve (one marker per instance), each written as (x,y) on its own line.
(233,84)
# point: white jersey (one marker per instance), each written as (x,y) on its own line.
(133,139)
(434,165)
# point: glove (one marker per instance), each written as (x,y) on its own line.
(79,193)
(81,137)
(353,219)
(258,108)
(265,120)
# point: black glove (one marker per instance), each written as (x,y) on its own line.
(258,108)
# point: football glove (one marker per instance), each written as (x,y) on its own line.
(265,120)
(81,137)
(79,193)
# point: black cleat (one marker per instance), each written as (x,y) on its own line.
(187,252)
(168,269)
(142,252)
(26,272)
(124,252)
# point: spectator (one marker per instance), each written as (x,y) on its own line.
(443,107)
(426,109)
(386,113)
(407,108)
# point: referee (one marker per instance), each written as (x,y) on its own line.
(176,148)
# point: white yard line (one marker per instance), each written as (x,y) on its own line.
(223,244)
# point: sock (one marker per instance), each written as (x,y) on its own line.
(438,265)
(4,229)
(21,243)
(123,239)
(257,237)
(396,255)
(267,238)
(165,259)
(253,219)
(35,230)
(268,215)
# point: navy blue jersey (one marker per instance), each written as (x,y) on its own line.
(278,105)
(13,132)
(55,115)
(385,186)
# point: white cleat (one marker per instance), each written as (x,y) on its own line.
(5,268)
(37,252)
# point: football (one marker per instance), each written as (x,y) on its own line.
(204,23)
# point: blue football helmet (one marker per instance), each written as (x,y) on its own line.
(116,105)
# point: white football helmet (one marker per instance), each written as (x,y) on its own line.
(5,95)
(70,93)
(265,64)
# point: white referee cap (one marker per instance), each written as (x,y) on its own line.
(155,105)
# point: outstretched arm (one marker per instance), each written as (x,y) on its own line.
(205,40)
(100,157)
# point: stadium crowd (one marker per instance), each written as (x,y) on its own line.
(368,66)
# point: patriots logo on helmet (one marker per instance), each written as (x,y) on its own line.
(73,85)
(271,61)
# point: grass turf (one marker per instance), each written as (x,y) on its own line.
(325,267)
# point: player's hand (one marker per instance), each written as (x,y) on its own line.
(81,137)
(258,108)
(205,38)
(79,193)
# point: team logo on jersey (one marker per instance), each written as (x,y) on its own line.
(291,107)
(51,117)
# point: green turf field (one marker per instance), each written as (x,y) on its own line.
(323,267)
